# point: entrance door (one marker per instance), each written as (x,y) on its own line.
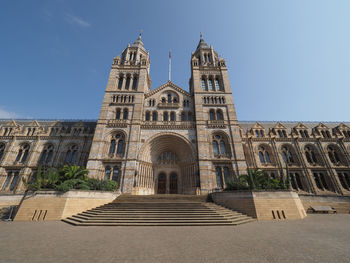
(161,184)
(173,183)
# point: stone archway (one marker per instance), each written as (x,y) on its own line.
(169,154)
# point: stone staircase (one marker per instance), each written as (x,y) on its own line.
(159,210)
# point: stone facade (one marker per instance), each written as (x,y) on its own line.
(168,140)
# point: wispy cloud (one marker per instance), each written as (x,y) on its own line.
(7,114)
(74,20)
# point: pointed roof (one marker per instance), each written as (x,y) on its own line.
(138,43)
(167,84)
(202,43)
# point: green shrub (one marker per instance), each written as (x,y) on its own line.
(109,185)
(236,185)
(73,184)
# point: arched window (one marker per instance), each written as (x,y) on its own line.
(219,146)
(204,85)
(264,155)
(127,84)
(212,115)
(210,83)
(217,84)
(112,146)
(287,155)
(134,84)
(219,115)
(46,155)
(169,98)
(117,145)
(125,114)
(165,116)
(148,116)
(23,153)
(120,83)
(172,116)
(2,150)
(163,100)
(154,116)
(71,154)
(333,155)
(117,114)
(310,155)
(115,176)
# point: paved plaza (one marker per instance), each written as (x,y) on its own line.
(318,238)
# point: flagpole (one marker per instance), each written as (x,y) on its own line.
(169,65)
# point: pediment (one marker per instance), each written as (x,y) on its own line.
(257,125)
(279,126)
(300,126)
(343,126)
(168,85)
(321,126)
(11,123)
(79,124)
(33,124)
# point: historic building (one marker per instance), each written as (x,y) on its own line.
(168,140)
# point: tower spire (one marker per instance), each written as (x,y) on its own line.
(169,65)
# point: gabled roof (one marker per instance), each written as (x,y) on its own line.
(257,125)
(34,123)
(300,126)
(321,126)
(11,123)
(168,84)
(343,126)
(279,126)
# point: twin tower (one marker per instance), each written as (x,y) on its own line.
(167,140)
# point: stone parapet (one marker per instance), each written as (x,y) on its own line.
(263,205)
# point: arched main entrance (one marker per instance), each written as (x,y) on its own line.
(167,160)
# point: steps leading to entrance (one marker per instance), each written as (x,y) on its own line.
(159,210)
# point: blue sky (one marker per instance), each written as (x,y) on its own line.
(287,60)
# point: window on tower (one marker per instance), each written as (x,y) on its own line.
(204,85)
(211,86)
(134,84)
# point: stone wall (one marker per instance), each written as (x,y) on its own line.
(263,205)
(9,200)
(51,205)
(340,203)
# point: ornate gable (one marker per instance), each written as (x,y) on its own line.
(300,126)
(257,125)
(170,85)
(279,126)
(321,126)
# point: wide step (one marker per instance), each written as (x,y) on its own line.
(159,210)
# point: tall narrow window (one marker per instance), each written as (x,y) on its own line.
(172,116)
(210,83)
(226,174)
(264,155)
(120,83)
(115,176)
(217,84)
(169,98)
(2,150)
(333,155)
(127,84)
(71,154)
(287,155)
(219,146)
(212,115)
(310,155)
(120,147)
(117,114)
(46,155)
(154,116)
(189,116)
(204,85)
(107,173)
(215,147)
(222,147)
(7,181)
(219,115)
(23,153)
(183,116)
(112,147)
(165,116)
(125,114)
(148,116)
(134,84)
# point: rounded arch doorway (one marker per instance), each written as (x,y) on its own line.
(169,159)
